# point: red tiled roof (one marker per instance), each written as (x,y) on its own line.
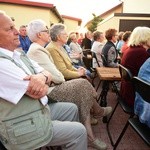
(36,4)
(71,18)
(30,3)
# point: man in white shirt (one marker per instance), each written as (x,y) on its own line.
(18,81)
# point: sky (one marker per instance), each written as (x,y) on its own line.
(82,9)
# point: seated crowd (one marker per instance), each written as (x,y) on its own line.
(40,97)
(51,101)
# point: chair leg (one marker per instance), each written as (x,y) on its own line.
(54,148)
(122,132)
(121,135)
(107,125)
(93,81)
(115,88)
(39,148)
(47,148)
(98,85)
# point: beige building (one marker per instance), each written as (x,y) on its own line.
(25,11)
(136,6)
(73,24)
(126,16)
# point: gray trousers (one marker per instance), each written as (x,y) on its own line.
(68,133)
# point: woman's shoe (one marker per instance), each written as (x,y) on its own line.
(107,111)
(98,144)
(94,121)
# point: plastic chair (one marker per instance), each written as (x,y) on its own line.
(50,148)
(143,88)
(88,62)
(87,59)
(2,146)
(87,52)
(105,64)
(95,57)
(94,69)
(125,75)
(104,60)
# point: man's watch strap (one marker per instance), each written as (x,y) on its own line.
(45,77)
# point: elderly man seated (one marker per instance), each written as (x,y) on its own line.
(26,120)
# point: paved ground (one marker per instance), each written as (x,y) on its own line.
(130,141)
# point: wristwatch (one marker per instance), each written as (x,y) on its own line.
(45,77)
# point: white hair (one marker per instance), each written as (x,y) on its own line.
(139,36)
(34,27)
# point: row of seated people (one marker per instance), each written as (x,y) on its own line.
(135,54)
(136,51)
(136,59)
(110,47)
(83,40)
(63,62)
(39,95)
(37,86)
(55,59)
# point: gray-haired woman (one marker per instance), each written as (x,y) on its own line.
(78,91)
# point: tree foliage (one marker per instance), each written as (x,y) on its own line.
(93,24)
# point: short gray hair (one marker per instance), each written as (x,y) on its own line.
(55,30)
(139,36)
(96,35)
(34,27)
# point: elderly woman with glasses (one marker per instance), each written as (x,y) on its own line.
(59,37)
(66,91)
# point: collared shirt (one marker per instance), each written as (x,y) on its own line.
(12,85)
(24,43)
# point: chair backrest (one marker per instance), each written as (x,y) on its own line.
(104,60)
(87,58)
(125,73)
(94,56)
(142,87)
(86,52)
(2,147)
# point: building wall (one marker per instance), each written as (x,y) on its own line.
(110,22)
(24,14)
(114,21)
(117,10)
(72,25)
(136,6)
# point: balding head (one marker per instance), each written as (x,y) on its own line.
(2,12)
(8,33)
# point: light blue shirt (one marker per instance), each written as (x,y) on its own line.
(142,108)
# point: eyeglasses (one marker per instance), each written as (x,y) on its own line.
(65,34)
(47,31)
